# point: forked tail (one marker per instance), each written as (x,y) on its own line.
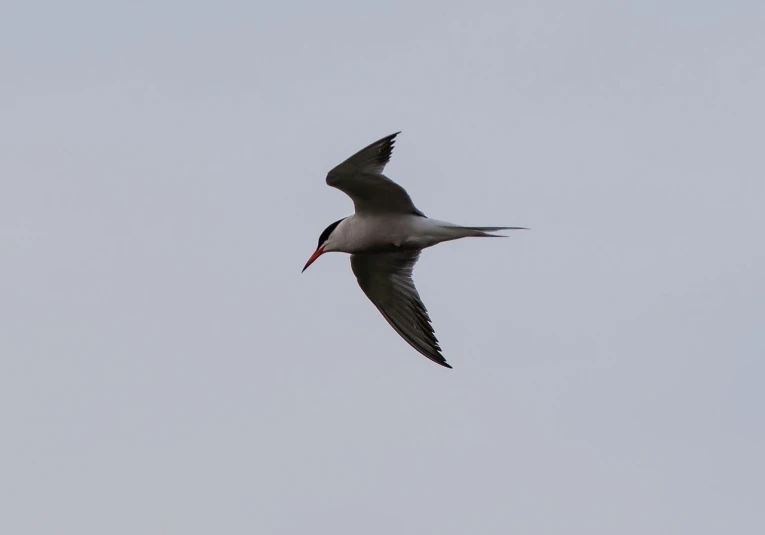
(483,232)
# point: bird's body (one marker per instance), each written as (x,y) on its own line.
(382,233)
(385,237)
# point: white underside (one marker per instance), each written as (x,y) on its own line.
(365,233)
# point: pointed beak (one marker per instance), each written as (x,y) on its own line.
(316,254)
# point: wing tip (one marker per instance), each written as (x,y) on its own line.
(390,140)
(438,358)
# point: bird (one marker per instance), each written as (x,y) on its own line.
(384,237)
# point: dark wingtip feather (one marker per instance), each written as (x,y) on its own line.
(386,148)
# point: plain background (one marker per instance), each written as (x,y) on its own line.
(167,369)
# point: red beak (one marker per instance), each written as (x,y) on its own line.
(316,254)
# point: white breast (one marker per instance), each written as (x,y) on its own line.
(384,232)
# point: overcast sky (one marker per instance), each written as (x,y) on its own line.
(167,369)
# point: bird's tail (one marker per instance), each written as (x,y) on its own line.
(484,232)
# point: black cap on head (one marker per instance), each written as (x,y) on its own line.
(327,231)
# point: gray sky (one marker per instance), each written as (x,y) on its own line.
(166,368)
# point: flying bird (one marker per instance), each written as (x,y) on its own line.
(384,238)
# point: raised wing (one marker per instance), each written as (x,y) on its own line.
(360,177)
(386,279)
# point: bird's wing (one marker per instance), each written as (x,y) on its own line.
(386,279)
(360,177)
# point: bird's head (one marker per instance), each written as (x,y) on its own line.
(325,243)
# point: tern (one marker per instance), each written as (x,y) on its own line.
(384,238)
